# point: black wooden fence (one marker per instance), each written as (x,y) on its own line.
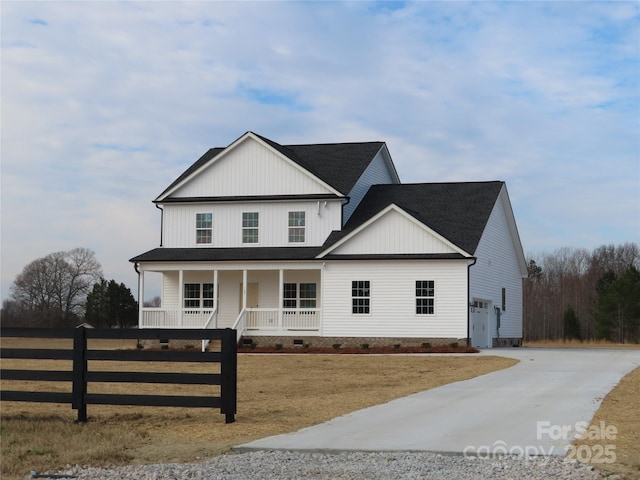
(80,375)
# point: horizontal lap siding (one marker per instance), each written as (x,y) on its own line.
(496,268)
(393,299)
(376,173)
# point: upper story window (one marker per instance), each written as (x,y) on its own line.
(204,228)
(296,227)
(250,223)
(360,296)
(425,296)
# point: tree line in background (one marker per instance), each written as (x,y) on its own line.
(574,293)
(64,289)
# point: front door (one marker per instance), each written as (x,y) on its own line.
(480,324)
(252,296)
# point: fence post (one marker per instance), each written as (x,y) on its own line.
(79,390)
(229,374)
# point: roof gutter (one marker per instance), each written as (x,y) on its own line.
(469,301)
(161,221)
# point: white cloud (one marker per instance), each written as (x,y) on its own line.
(105,103)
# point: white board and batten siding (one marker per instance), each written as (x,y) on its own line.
(497,267)
(394,233)
(248,169)
(321,218)
(393,299)
(378,172)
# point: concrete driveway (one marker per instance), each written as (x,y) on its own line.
(535,407)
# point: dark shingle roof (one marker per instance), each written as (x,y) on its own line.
(457,211)
(337,164)
(268,254)
(227,254)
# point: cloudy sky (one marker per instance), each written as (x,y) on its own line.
(105,103)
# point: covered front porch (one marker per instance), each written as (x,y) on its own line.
(259,301)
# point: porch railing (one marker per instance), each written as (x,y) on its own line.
(175,317)
(212,322)
(241,324)
(307,319)
(271,320)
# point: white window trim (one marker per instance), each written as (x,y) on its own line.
(302,227)
(210,229)
(245,229)
(298,298)
(201,298)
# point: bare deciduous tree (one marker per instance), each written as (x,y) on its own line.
(52,290)
(567,278)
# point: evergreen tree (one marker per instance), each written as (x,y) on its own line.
(618,306)
(571,325)
(111,304)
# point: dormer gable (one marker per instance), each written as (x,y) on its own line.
(393,231)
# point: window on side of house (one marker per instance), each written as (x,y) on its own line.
(504,299)
(204,228)
(360,296)
(250,224)
(198,295)
(299,295)
(425,297)
(296,227)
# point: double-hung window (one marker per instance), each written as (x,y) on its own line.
(198,295)
(204,228)
(296,227)
(425,297)
(250,224)
(360,296)
(299,295)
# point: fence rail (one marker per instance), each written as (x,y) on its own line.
(80,375)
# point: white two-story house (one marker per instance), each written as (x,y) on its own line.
(322,244)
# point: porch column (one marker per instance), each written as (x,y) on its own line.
(140,298)
(244,289)
(281,296)
(180,297)
(215,295)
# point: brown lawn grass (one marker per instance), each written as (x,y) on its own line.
(619,409)
(276,394)
(579,344)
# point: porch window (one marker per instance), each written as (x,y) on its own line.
(198,295)
(290,294)
(360,296)
(302,295)
(250,222)
(425,296)
(296,227)
(204,228)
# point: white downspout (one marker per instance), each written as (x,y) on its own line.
(180,297)
(215,294)
(280,298)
